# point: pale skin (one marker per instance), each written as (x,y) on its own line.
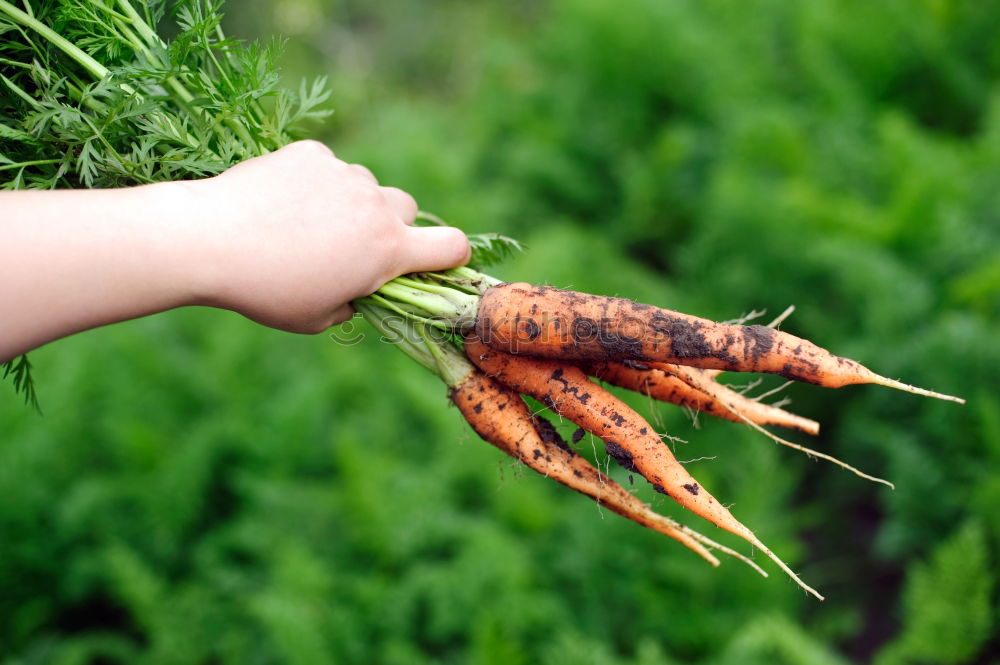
(287,240)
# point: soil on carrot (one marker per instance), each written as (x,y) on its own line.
(759,340)
(685,339)
(620,455)
(547,432)
(583,398)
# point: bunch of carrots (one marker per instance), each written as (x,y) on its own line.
(493,342)
(92,95)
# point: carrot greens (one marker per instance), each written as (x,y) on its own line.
(91,96)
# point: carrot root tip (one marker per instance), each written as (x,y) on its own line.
(781,564)
(708,542)
(899,385)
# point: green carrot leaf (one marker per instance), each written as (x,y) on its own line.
(492,248)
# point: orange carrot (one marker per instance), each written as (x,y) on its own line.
(501,418)
(775,322)
(577,327)
(698,380)
(627,436)
(722,403)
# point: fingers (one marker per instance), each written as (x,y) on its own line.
(340,315)
(308,146)
(433,248)
(363,172)
(401,203)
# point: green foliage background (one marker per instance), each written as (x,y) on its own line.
(203,490)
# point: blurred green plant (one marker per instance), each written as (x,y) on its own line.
(947,602)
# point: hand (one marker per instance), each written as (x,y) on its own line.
(299,233)
(287,239)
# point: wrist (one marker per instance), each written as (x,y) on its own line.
(186,239)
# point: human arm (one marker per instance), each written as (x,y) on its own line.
(287,239)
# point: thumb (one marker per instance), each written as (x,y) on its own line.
(433,248)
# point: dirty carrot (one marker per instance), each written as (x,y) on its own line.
(578,327)
(590,481)
(501,418)
(722,403)
(775,322)
(722,395)
(628,438)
